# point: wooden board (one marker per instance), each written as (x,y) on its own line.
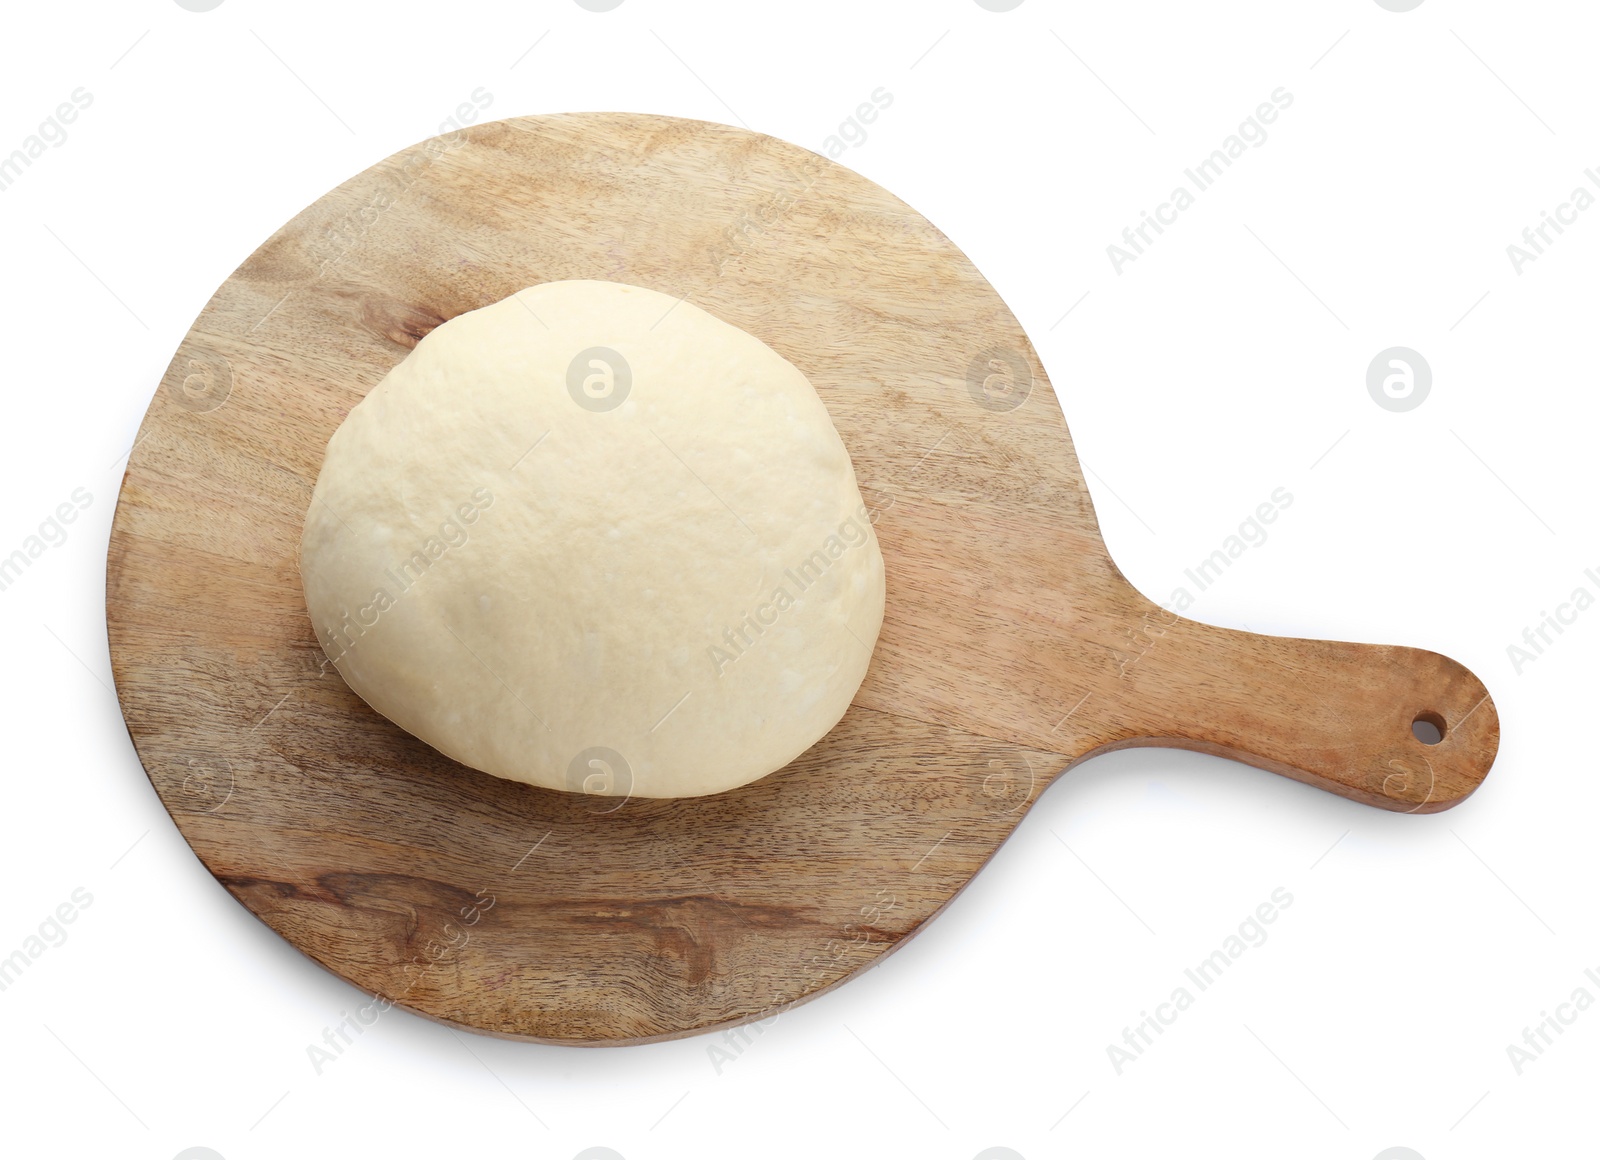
(1012,646)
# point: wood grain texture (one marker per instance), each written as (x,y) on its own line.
(1004,656)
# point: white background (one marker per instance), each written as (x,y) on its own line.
(1227,361)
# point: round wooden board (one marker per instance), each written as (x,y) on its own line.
(1004,656)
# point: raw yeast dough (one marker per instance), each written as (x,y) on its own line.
(596,539)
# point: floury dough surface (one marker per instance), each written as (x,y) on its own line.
(596,540)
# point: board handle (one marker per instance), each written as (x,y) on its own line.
(1348,718)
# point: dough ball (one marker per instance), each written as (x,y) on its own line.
(596,539)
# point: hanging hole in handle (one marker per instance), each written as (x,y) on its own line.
(1428,727)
